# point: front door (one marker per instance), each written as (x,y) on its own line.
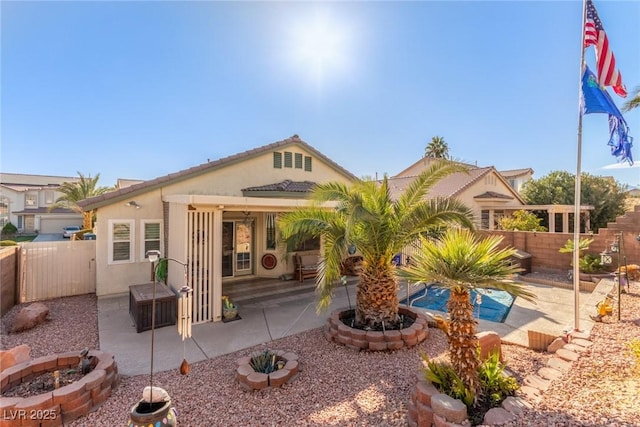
(237,248)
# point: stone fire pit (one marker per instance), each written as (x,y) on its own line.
(65,404)
(337,331)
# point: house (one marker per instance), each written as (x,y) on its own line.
(517,177)
(489,193)
(25,201)
(218,219)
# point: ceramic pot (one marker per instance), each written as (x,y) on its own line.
(159,414)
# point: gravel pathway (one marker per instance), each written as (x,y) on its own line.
(340,387)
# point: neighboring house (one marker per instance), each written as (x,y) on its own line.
(25,201)
(219,219)
(487,192)
(517,177)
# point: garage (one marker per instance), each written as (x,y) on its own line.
(55,224)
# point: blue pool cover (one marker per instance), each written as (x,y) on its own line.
(494,306)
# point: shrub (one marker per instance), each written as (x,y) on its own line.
(266,362)
(634,348)
(9,229)
(495,385)
(590,263)
(7,243)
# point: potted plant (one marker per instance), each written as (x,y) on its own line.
(229,309)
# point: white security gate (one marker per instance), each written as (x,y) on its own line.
(200,263)
(56,269)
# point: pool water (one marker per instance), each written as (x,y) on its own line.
(494,305)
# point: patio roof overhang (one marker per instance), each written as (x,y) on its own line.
(548,208)
(239,204)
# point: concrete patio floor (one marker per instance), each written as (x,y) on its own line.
(552,314)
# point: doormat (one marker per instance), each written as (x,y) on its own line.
(231,320)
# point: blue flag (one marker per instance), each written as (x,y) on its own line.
(595,99)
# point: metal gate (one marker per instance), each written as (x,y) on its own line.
(56,269)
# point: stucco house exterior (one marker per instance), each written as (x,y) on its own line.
(25,201)
(489,193)
(218,219)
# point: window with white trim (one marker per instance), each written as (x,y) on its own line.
(48,197)
(121,234)
(151,236)
(31,200)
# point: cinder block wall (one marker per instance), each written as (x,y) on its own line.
(544,247)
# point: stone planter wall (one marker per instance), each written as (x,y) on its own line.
(251,380)
(337,331)
(61,406)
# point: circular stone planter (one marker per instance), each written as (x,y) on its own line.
(252,380)
(337,331)
(61,406)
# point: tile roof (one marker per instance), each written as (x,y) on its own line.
(44,210)
(287,186)
(492,195)
(123,193)
(450,186)
(516,172)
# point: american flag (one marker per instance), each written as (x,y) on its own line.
(608,74)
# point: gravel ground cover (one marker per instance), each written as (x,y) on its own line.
(340,387)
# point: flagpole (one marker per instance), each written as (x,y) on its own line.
(577,196)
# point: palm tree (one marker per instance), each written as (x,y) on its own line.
(460,261)
(437,148)
(366,216)
(633,102)
(73,192)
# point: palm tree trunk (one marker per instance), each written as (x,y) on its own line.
(463,343)
(377,297)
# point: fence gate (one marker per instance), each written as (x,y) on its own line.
(56,269)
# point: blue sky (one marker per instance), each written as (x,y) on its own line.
(143,89)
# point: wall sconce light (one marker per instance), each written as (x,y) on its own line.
(133,204)
(153,255)
(614,247)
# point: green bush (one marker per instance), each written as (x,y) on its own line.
(590,263)
(7,243)
(9,229)
(495,385)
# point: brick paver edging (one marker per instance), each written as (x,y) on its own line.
(251,380)
(337,331)
(62,405)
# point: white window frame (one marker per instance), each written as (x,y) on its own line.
(31,200)
(49,197)
(143,223)
(132,227)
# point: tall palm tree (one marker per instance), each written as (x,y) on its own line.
(368,217)
(461,261)
(73,192)
(437,148)
(633,102)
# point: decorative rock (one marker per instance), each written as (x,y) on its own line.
(498,416)
(531,394)
(449,408)
(578,334)
(515,405)
(581,342)
(537,382)
(549,373)
(567,355)
(556,345)
(489,342)
(29,317)
(559,364)
(574,347)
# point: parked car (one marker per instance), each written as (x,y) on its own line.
(69,230)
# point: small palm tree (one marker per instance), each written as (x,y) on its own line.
(633,102)
(460,261)
(73,192)
(437,148)
(366,216)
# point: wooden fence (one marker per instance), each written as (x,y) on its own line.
(8,269)
(56,269)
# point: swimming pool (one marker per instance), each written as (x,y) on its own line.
(494,304)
